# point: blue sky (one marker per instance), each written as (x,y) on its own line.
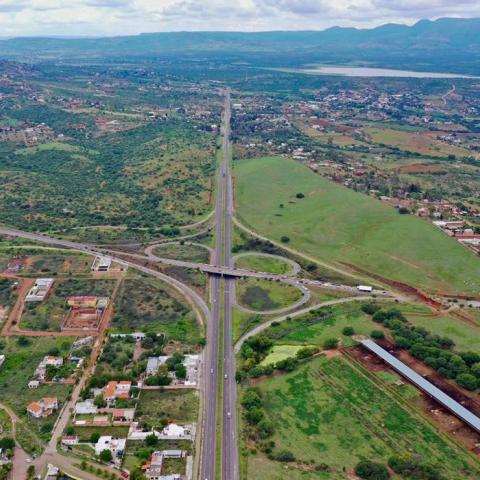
(120,17)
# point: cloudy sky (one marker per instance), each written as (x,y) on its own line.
(120,17)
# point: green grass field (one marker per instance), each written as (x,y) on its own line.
(280,352)
(338,225)
(180,406)
(263,264)
(465,335)
(263,295)
(328,412)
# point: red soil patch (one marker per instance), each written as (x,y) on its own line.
(420,168)
(402,287)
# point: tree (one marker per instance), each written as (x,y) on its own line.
(377,334)
(348,331)
(7,443)
(369,470)
(330,343)
(284,239)
(180,371)
(69,430)
(285,456)
(467,380)
(30,471)
(151,440)
(254,415)
(106,456)
(99,402)
(94,437)
(23,341)
(300,195)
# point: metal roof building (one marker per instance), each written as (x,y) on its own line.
(441,397)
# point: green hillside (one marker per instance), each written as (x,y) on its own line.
(338,225)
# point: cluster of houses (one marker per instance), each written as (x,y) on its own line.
(55,362)
(43,408)
(458,230)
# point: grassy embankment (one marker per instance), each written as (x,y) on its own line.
(337,225)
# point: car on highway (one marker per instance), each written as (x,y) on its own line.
(226,375)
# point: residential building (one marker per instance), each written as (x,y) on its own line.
(43,408)
(86,407)
(115,445)
(40,289)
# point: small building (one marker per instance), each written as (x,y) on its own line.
(86,407)
(152,365)
(40,289)
(33,384)
(53,361)
(115,445)
(70,440)
(52,472)
(43,408)
(114,390)
(2,359)
(82,301)
(123,415)
(101,264)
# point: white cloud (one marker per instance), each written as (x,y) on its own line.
(117,17)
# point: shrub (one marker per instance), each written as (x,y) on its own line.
(94,437)
(284,239)
(106,455)
(369,470)
(377,335)
(330,343)
(348,331)
(285,456)
(300,195)
(370,308)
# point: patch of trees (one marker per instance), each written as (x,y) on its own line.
(368,470)
(410,467)
(434,350)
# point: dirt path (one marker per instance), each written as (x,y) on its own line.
(15,315)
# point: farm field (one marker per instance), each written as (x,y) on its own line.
(328,412)
(263,264)
(48,315)
(192,253)
(263,295)
(422,143)
(148,305)
(157,407)
(22,358)
(340,226)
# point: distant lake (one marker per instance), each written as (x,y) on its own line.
(378,72)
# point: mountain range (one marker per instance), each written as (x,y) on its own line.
(449,44)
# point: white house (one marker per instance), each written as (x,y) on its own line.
(115,445)
(85,408)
